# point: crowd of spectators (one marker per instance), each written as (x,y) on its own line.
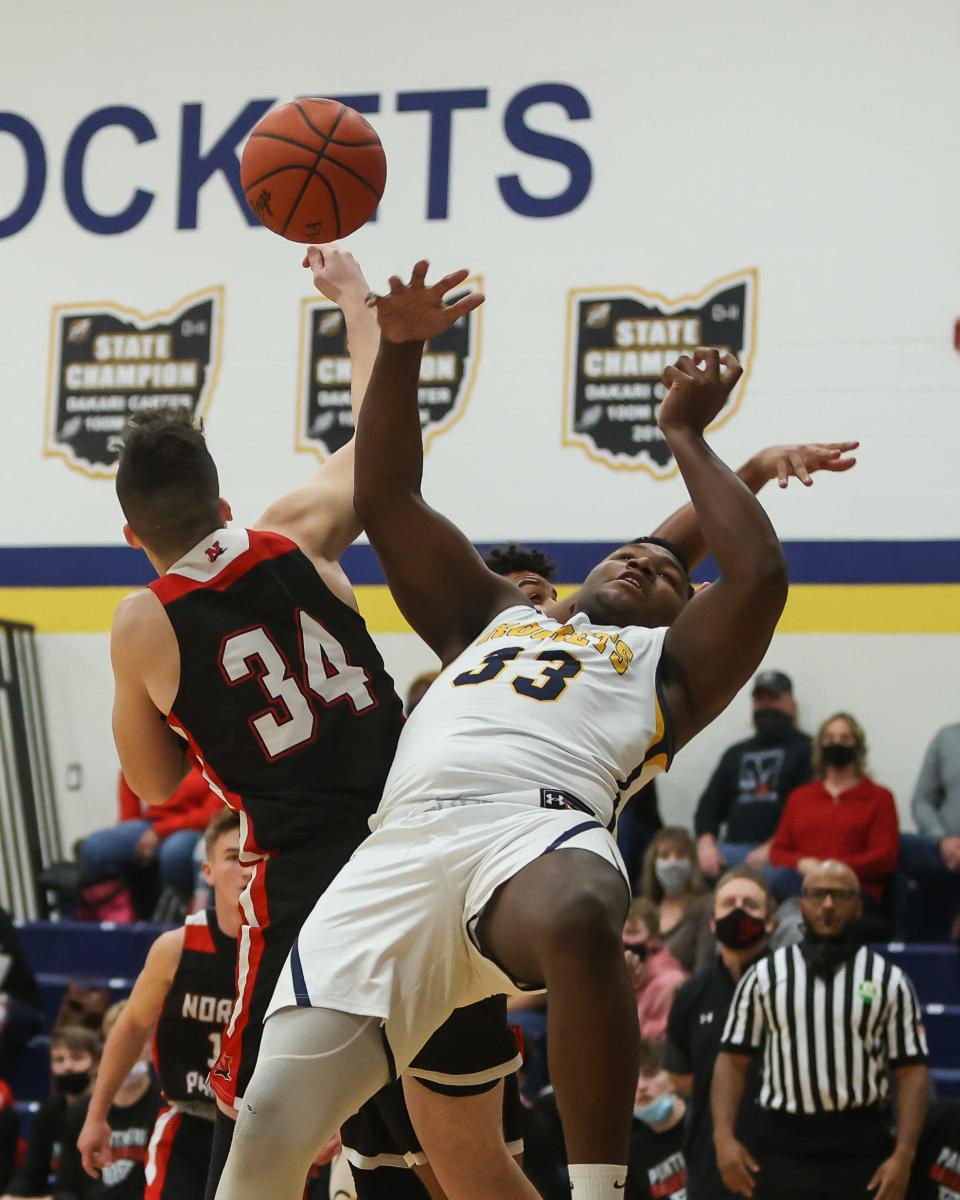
(795,850)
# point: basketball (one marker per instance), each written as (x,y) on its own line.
(313,170)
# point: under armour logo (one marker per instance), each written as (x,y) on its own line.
(213,552)
(706,1018)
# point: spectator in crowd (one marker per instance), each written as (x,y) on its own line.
(21,1006)
(738,813)
(827,1018)
(131,1118)
(842,815)
(742,921)
(654,972)
(656,1168)
(9,1136)
(417,690)
(153,846)
(931,856)
(672,881)
(936,1169)
(74,1054)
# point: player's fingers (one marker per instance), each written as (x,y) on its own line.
(671,376)
(396,285)
(842,446)
(371,299)
(419,273)
(685,366)
(710,357)
(783,475)
(464,305)
(841,464)
(732,368)
(444,285)
(800,470)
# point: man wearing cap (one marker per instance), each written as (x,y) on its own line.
(748,788)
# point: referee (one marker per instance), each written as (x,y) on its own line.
(828,1017)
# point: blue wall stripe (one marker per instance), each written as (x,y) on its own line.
(847,562)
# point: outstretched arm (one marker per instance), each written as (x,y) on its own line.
(440,583)
(125,1045)
(782,463)
(720,637)
(320,516)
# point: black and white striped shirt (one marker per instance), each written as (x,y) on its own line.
(826,1043)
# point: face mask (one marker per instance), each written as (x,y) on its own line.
(137,1071)
(71,1083)
(738,929)
(825,955)
(640,949)
(656,1112)
(673,874)
(772,725)
(835,754)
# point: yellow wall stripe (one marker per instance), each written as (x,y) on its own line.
(811,608)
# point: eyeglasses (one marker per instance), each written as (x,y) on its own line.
(837,895)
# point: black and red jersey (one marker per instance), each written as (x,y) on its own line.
(283,696)
(186,1043)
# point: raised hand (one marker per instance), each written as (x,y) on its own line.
(413,312)
(336,273)
(699,387)
(802,460)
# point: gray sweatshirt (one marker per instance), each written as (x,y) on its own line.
(936,798)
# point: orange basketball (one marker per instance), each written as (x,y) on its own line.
(313,170)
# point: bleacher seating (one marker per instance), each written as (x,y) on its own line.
(95,955)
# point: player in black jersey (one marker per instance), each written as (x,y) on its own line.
(185,994)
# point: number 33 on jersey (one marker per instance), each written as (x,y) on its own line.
(535,704)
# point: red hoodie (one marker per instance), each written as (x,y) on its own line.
(859,827)
(192,806)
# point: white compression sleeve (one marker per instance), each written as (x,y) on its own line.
(315,1068)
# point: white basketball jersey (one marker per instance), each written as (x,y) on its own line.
(561,715)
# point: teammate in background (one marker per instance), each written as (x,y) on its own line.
(131,1119)
(251,646)
(185,993)
(531,570)
(444,903)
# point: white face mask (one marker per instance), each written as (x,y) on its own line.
(673,874)
(138,1071)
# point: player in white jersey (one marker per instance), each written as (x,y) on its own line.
(526,745)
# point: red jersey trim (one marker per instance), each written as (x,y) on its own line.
(198,936)
(172,585)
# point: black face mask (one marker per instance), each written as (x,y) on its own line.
(772,725)
(640,949)
(71,1083)
(825,955)
(738,929)
(835,754)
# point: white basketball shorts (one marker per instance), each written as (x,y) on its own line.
(392,936)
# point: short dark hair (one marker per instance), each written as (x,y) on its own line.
(226,821)
(651,1056)
(167,482)
(77,1040)
(504,560)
